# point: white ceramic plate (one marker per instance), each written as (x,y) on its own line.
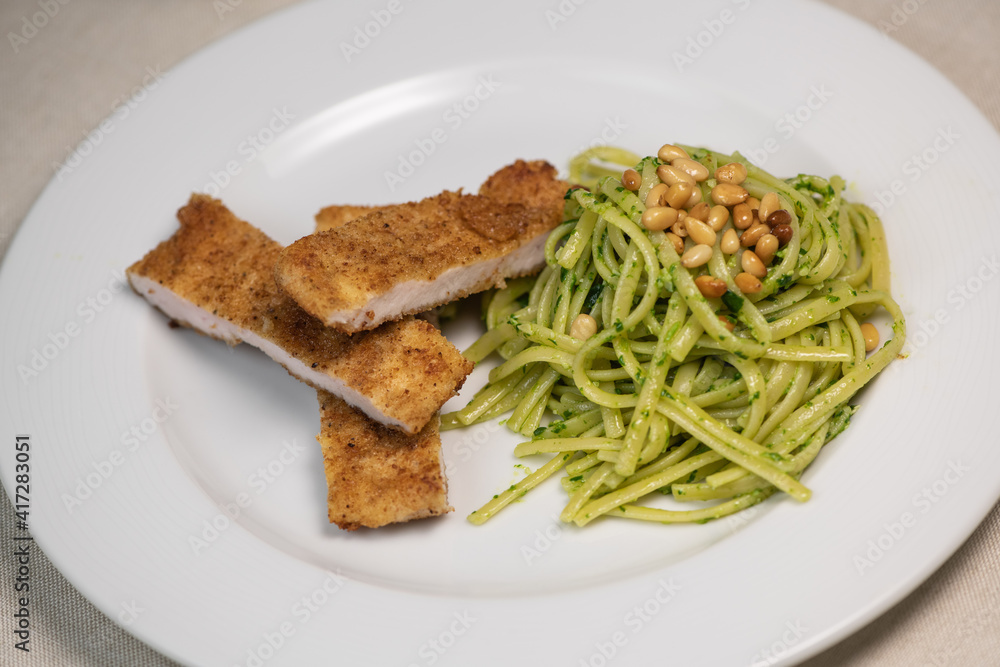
(143,436)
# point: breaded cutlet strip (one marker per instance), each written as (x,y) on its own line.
(376,475)
(407,258)
(216,275)
(524,183)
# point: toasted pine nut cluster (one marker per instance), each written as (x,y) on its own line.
(734,219)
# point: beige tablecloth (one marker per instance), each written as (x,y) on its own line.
(59,84)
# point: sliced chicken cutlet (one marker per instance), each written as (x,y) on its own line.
(527,183)
(376,475)
(216,275)
(407,258)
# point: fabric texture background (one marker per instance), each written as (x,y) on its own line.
(59,85)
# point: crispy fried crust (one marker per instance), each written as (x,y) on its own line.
(338,272)
(533,184)
(225,267)
(376,476)
(332,217)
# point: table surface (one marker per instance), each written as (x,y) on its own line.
(58,85)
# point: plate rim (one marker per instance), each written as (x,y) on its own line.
(850,626)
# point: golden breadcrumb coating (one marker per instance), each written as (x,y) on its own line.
(339,215)
(376,475)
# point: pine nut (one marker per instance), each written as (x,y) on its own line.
(718,216)
(694,199)
(711,288)
(742,216)
(680,228)
(751,264)
(766,246)
(729,194)
(694,169)
(700,232)
(677,242)
(631,179)
(671,175)
(699,211)
(753,203)
(696,256)
(734,172)
(751,236)
(783,233)
(747,283)
(584,326)
(779,217)
(655,195)
(730,242)
(726,322)
(659,218)
(678,194)
(870,333)
(669,153)
(768,205)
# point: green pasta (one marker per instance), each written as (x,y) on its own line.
(646,368)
